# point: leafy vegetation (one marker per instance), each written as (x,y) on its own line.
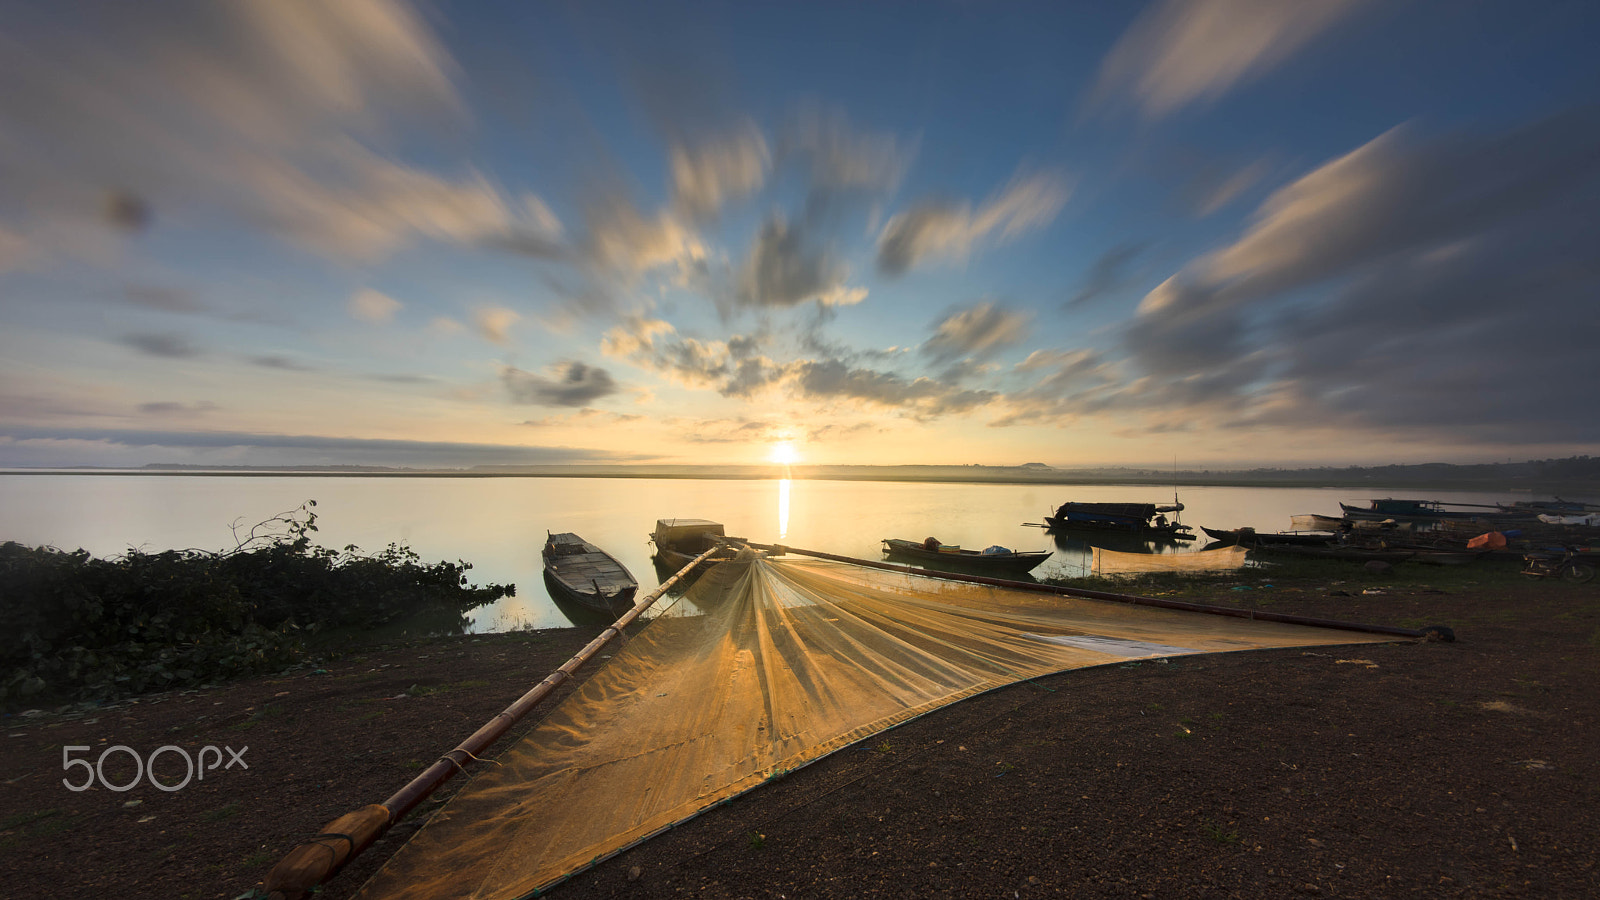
(73,626)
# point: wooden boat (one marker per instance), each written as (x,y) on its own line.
(1314,522)
(580,573)
(1431,510)
(679,541)
(1012,562)
(1145,519)
(1249,537)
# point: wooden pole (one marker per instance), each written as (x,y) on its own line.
(1103,595)
(320,858)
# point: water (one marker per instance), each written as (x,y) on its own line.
(499,524)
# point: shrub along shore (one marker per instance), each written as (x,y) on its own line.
(77,628)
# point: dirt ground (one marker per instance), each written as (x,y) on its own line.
(1466,769)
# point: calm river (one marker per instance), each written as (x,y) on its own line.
(499,524)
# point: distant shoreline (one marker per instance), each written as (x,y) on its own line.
(1377,479)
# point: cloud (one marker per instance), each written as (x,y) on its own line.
(283,363)
(175,409)
(840,158)
(921,398)
(783,271)
(493,323)
(271,113)
(170,346)
(585,416)
(951,231)
(1106,275)
(718,169)
(979,330)
(1409,286)
(734,368)
(1181,52)
(570,383)
(369,305)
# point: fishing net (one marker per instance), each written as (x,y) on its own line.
(1111,562)
(793,659)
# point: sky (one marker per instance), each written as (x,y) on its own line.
(1203,232)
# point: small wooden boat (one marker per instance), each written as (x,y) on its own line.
(939,556)
(1249,537)
(679,541)
(580,573)
(1314,522)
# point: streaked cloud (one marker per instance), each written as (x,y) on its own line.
(493,323)
(1408,284)
(946,231)
(978,330)
(839,157)
(1108,275)
(175,409)
(373,306)
(569,383)
(1181,52)
(718,169)
(785,270)
(272,113)
(168,345)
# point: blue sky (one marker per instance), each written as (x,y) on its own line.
(1221,231)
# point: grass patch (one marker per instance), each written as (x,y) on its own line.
(222,813)
(758,841)
(1220,834)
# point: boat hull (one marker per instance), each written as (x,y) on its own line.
(971,561)
(579,574)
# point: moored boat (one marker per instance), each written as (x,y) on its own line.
(995,560)
(1145,519)
(1249,537)
(679,541)
(582,574)
(1431,510)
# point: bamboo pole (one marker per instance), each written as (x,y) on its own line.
(1104,595)
(320,858)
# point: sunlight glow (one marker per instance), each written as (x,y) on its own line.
(784,454)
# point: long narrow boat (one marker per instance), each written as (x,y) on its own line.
(1431,510)
(1011,561)
(1249,537)
(580,573)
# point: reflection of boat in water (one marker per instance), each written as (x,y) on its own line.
(586,579)
(1000,563)
(1144,519)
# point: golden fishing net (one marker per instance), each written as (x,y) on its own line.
(1112,562)
(793,659)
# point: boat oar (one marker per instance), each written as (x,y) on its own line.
(321,857)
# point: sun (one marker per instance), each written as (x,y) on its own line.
(784,454)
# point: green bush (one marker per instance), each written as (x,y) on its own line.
(77,627)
